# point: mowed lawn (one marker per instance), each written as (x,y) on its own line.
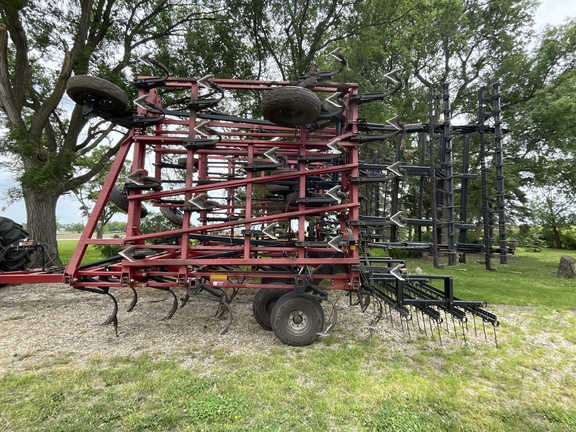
(341,383)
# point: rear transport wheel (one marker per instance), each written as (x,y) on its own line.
(297,319)
(263,303)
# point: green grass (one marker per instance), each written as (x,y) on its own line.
(339,383)
(66,249)
(354,387)
(529,279)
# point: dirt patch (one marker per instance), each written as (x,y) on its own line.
(42,323)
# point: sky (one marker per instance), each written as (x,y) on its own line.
(550,12)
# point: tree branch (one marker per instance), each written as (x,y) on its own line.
(74,183)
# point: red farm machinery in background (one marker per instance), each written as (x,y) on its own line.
(274,205)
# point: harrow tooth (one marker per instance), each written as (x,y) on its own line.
(439,333)
(430,324)
(475,329)
(495,337)
(333,319)
(220,311)
(418,322)
(325,332)
(134,299)
(407,328)
(463,333)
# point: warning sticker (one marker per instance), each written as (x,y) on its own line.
(218,280)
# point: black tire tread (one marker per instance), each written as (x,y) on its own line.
(173,215)
(119,197)
(10,233)
(291,106)
(263,303)
(106,95)
(288,303)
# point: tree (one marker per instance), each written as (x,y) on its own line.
(542,110)
(41,45)
(288,34)
(554,211)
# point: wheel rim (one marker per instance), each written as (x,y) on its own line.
(298,321)
(106,104)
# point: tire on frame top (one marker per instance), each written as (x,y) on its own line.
(105,95)
(291,106)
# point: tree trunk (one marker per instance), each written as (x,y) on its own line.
(41,217)
(557,238)
(100,226)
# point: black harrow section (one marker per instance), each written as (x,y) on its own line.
(414,295)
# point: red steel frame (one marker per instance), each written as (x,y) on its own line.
(224,246)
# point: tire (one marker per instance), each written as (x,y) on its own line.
(119,197)
(105,95)
(291,106)
(9,264)
(183,161)
(297,319)
(263,303)
(282,189)
(173,215)
(278,189)
(10,233)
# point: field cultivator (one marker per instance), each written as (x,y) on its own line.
(273,205)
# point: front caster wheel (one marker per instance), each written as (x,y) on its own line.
(297,319)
